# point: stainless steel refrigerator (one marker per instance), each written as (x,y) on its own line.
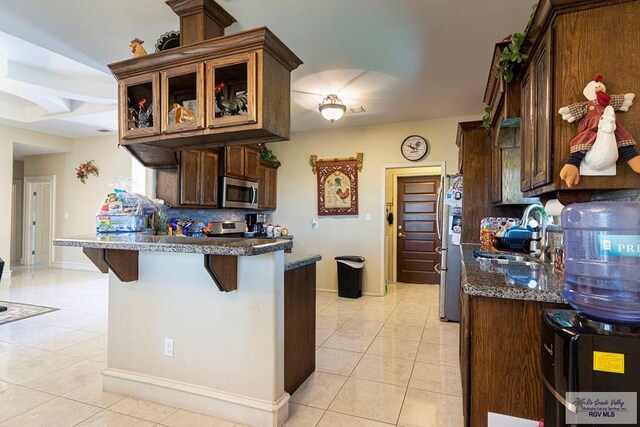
(450,263)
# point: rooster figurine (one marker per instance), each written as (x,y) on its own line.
(233,105)
(592,149)
(136,48)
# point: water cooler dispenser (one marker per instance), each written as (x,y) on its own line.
(596,347)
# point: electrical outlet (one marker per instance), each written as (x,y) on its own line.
(367,217)
(314,223)
(168,347)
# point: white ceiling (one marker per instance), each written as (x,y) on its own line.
(21,150)
(400,59)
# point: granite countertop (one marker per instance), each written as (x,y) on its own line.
(482,278)
(193,245)
(293,261)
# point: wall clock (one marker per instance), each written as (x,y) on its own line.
(414,148)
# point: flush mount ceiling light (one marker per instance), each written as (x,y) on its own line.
(332,108)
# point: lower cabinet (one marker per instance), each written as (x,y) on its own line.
(193,184)
(500,357)
(299,326)
(267,187)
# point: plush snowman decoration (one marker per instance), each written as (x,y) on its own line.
(600,140)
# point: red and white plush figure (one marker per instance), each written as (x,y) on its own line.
(592,149)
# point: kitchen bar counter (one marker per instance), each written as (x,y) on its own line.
(516,282)
(220,309)
(293,261)
(237,246)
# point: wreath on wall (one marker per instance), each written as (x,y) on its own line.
(84,170)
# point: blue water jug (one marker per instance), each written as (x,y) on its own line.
(602,259)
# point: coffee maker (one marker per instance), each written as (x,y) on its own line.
(257,223)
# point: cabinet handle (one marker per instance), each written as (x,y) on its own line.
(437,268)
(439,250)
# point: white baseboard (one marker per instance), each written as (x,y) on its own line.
(241,409)
(81,266)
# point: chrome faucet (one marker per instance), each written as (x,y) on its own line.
(538,246)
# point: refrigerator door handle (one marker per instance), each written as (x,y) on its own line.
(439,200)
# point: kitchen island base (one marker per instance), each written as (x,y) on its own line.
(228,347)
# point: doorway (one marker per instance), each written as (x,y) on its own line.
(418,244)
(39,220)
(389,240)
(16,222)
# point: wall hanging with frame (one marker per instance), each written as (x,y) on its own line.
(337,184)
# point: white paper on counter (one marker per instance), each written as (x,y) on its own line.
(499,420)
(455,239)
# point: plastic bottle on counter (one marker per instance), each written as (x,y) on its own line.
(602,259)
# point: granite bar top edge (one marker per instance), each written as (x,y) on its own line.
(493,285)
(512,293)
(293,261)
(208,246)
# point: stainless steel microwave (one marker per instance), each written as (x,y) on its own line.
(238,193)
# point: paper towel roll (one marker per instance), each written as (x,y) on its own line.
(554,207)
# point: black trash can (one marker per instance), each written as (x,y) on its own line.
(350,276)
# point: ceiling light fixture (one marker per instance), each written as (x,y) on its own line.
(332,108)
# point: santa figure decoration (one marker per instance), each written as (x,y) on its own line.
(600,141)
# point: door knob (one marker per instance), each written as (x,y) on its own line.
(399,227)
(400,235)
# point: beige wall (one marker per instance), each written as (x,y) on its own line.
(351,235)
(18,170)
(6,184)
(77,203)
(9,136)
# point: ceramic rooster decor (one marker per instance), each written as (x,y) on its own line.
(136,48)
(600,141)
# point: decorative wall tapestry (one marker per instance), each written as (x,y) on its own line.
(337,185)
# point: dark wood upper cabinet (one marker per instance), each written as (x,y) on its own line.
(238,87)
(190,171)
(183,98)
(194,184)
(268,187)
(138,100)
(565,53)
(496,174)
(527,129)
(234,161)
(242,162)
(251,163)
(232,81)
(209,179)
(541,149)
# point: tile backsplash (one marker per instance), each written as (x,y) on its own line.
(207,215)
(618,195)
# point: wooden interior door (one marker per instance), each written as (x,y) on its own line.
(417,238)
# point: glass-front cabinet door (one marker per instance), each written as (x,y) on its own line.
(183,98)
(231,91)
(139,105)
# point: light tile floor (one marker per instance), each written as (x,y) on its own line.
(379,361)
